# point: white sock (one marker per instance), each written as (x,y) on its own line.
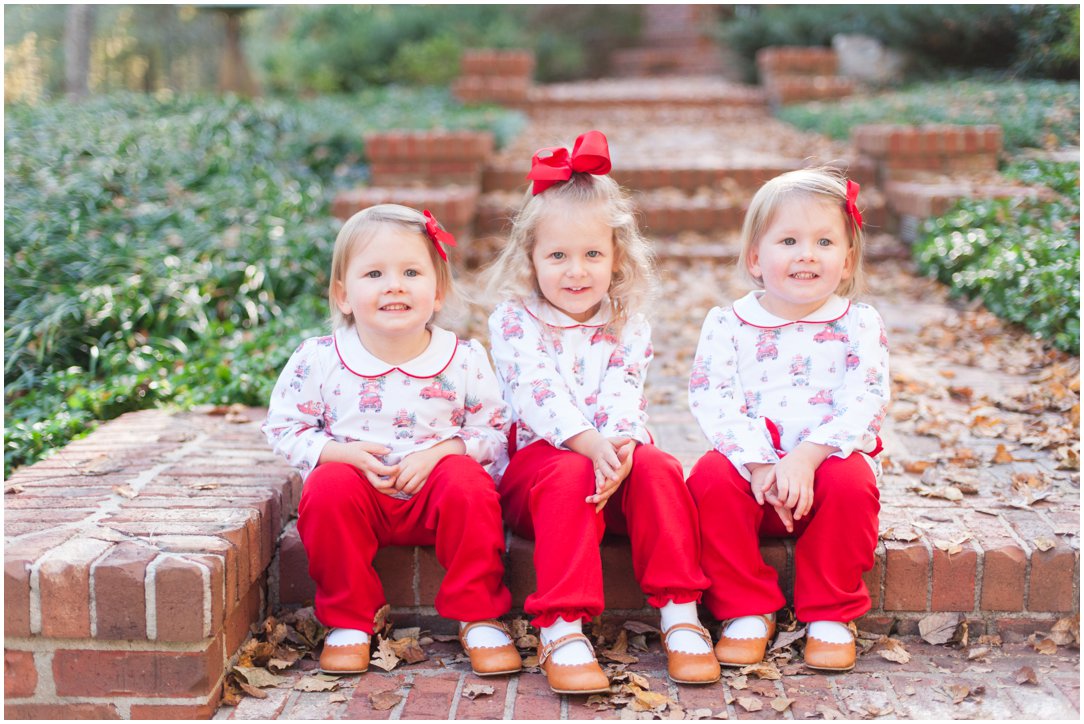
(686,641)
(346,637)
(748,627)
(569,654)
(485,637)
(832,632)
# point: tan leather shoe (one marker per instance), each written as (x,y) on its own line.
(686,668)
(491,660)
(349,659)
(825,656)
(743,652)
(572,678)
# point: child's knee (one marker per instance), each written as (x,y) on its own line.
(714,476)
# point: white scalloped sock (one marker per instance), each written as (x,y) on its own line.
(485,637)
(747,627)
(832,632)
(346,637)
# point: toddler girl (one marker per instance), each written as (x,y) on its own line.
(572,352)
(790,385)
(390,421)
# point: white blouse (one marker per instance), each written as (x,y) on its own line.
(561,377)
(823,379)
(334,389)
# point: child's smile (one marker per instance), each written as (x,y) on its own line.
(573,258)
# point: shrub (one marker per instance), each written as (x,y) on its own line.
(1032,114)
(1038,40)
(173,250)
(1021,257)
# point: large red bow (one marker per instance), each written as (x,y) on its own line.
(440,237)
(852,205)
(591,154)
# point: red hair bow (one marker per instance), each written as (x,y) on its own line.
(852,205)
(549,166)
(439,236)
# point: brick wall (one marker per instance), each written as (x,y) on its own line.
(503,77)
(151,565)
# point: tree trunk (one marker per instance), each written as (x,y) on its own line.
(78,29)
(234,76)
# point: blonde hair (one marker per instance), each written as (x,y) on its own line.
(825,183)
(633,281)
(358,232)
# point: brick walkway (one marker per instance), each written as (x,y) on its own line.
(937,683)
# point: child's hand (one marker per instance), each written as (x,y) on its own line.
(599,450)
(794,476)
(363,456)
(605,488)
(764,489)
(414,469)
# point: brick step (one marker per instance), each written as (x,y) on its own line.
(669,210)
(686,92)
(453,205)
(686,57)
(995,581)
(782,89)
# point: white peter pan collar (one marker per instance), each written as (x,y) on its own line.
(548,314)
(430,363)
(749,310)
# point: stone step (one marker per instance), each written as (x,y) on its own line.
(686,92)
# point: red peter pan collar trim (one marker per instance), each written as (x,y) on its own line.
(551,316)
(749,311)
(433,361)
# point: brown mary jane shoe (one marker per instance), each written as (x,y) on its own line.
(743,652)
(491,660)
(686,668)
(585,678)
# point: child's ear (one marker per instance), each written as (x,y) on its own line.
(849,264)
(338,290)
(752,262)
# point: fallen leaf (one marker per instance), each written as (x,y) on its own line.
(125,491)
(1046,646)
(648,700)
(530,662)
(905,535)
(1026,675)
(619,658)
(473,691)
(739,682)
(638,627)
(959,692)
(314,683)
(828,712)
(385,700)
(750,703)
(893,650)
(977,652)
(14,489)
(258,677)
(916,467)
(1066,631)
(1045,544)
(638,642)
(786,638)
(252,690)
(1002,455)
(337,697)
(408,650)
(939,628)
(962,394)
(205,486)
(621,645)
(385,656)
(781,703)
(763,670)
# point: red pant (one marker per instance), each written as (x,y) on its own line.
(543,493)
(343,521)
(835,545)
